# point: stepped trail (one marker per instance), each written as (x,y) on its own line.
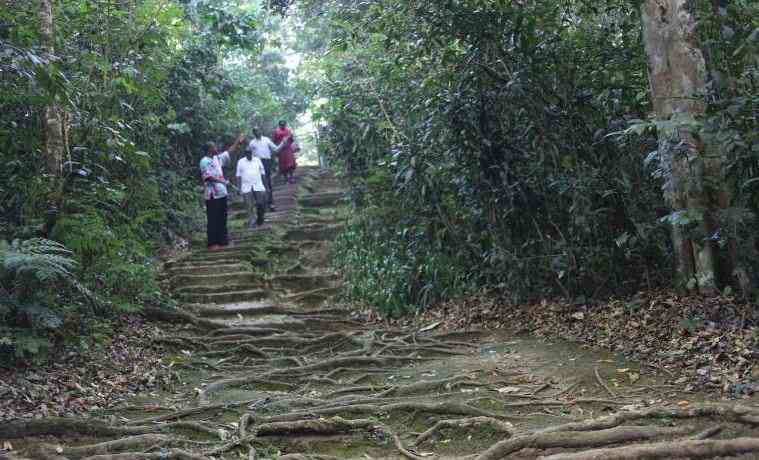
(268,368)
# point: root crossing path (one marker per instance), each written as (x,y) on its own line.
(268,368)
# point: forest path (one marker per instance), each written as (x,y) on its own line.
(267,369)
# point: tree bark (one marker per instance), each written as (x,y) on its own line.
(677,75)
(53,116)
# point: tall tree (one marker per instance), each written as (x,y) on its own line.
(677,75)
(53,119)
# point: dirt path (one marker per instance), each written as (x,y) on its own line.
(266,370)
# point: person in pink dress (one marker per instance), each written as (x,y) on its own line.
(286,155)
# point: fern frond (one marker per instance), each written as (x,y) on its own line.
(43,259)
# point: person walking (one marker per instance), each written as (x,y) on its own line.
(215,192)
(250,177)
(283,136)
(263,148)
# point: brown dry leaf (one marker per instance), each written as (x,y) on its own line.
(683,403)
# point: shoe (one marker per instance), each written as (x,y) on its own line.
(252,225)
(214,247)
(272,209)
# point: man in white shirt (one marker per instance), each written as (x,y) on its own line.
(250,177)
(263,148)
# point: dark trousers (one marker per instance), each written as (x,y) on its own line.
(216,212)
(267,180)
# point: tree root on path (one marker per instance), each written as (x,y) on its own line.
(173,454)
(321,427)
(190,412)
(495,424)
(601,431)
(179,316)
(131,443)
(427,386)
(247,349)
(307,457)
(678,449)
(575,440)
(335,363)
(443,408)
(58,426)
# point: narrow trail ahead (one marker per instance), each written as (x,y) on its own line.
(267,369)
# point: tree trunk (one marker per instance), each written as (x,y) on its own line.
(53,117)
(677,74)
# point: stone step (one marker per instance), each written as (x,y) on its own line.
(313,298)
(225,297)
(201,270)
(320,200)
(241,308)
(190,261)
(317,232)
(219,288)
(213,279)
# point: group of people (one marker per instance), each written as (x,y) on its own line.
(253,173)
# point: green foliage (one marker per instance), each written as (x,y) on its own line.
(475,136)
(143,85)
(33,273)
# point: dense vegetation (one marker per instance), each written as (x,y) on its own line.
(137,86)
(513,146)
(532,149)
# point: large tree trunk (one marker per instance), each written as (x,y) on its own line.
(677,74)
(53,118)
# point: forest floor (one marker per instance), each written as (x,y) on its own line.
(264,366)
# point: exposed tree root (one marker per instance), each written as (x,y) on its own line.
(322,427)
(426,386)
(179,316)
(680,449)
(190,412)
(443,408)
(173,454)
(307,457)
(495,424)
(557,436)
(247,349)
(246,331)
(733,413)
(131,443)
(329,364)
(55,426)
(575,440)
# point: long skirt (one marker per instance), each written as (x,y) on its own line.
(216,212)
(286,160)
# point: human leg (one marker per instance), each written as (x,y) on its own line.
(223,234)
(210,224)
(216,222)
(250,206)
(260,198)
(267,182)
